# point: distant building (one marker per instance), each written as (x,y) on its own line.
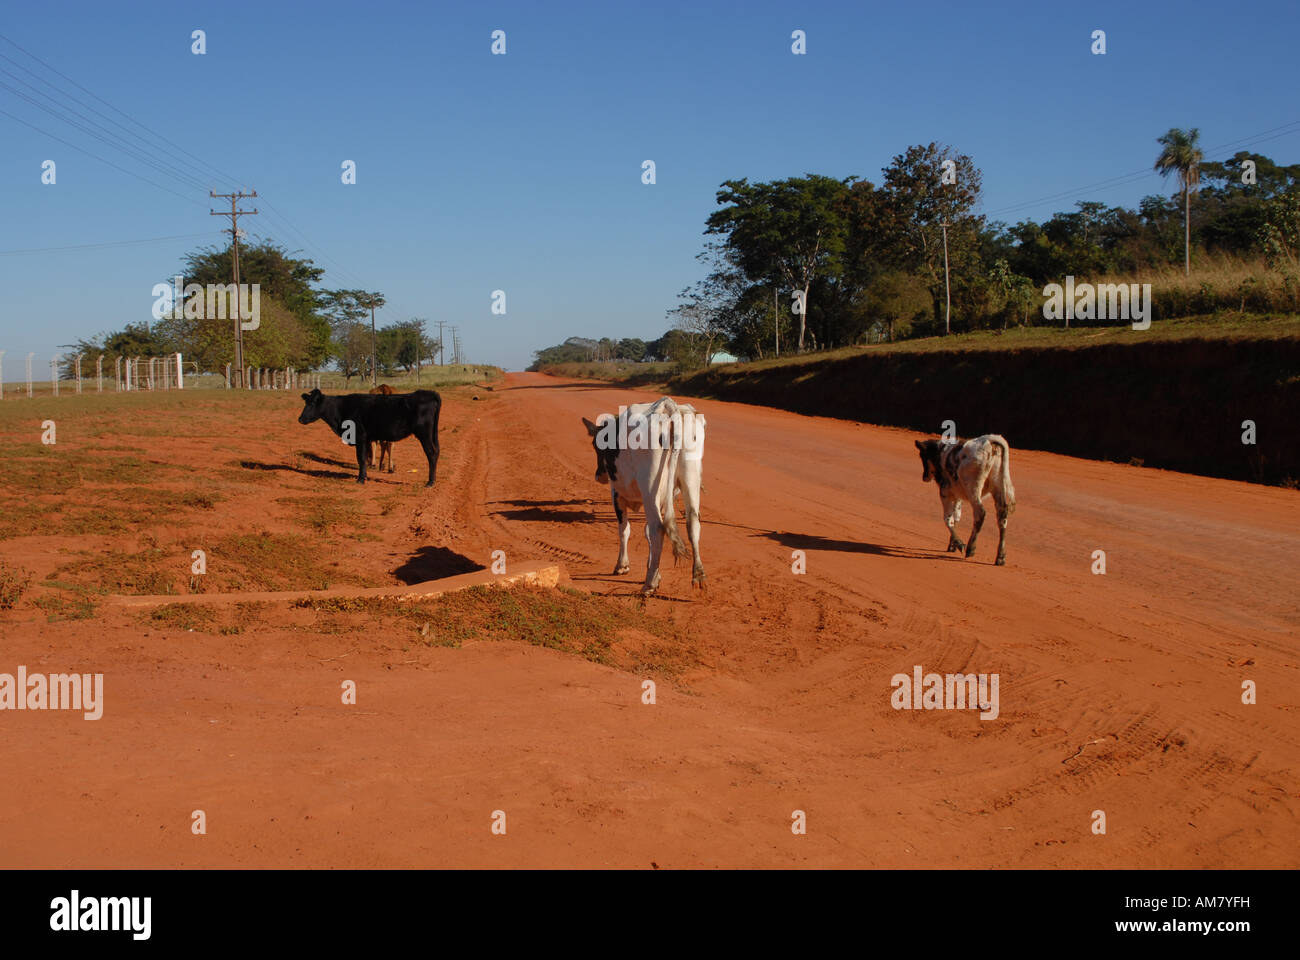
(723,357)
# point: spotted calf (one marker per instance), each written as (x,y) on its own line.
(970,470)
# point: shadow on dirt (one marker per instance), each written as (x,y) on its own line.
(533,511)
(330,461)
(803,541)
(434,563)
(324,474)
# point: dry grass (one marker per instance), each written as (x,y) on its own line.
(613,631)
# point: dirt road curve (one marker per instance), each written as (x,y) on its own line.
(1120,693)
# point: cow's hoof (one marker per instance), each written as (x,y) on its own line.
(970,551)
(624,568)
(429,484)
(1000,562)
(956,546)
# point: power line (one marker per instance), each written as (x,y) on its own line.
(161,166)
(180,171)
(110,106)
(95,156)
(107,243)
(1123,179)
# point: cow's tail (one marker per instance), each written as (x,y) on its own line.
(668,490)
(1004,480)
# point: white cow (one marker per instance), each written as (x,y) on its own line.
(971,470)
(646,454)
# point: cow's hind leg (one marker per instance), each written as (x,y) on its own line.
(977,509)
(1004,513)
(388,448)
(654,535)
(951,514)
(429,441)
(689,482)
(363,452)
(624,532)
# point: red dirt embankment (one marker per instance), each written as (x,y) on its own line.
(1175,404)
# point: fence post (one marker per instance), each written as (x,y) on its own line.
(2,374)
(78,373)
(227,376)
(54,372)
(117,373)
(29,375)
(180,373)
(99,373)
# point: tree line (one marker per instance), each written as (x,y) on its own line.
(817,262)
(301,325)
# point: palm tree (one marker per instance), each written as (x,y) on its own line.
(1182,155)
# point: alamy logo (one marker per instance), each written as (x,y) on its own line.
(1106,301)
(950,691)
(58,691)
(216,301)
(636,431)
(102,913)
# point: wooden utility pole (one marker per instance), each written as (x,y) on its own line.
(374,360)
(442,351)
(234,216)
(947,291)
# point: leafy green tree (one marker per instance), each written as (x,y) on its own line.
(789,230)
(919,202)
(280,276)
(630,348)
(898,299)
(1015,289)
(1280,233)
(350,343)
(371,301)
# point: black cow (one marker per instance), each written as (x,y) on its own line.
(375,417)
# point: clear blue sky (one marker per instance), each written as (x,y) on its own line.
(523,172)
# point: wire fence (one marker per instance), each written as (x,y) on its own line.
(99,373)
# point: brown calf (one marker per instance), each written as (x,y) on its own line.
(385,447)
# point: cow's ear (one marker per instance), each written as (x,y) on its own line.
(591,427)
(306,398)
(920,444)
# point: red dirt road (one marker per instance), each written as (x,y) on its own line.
(1120,693)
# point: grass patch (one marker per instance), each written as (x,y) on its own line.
(183,616)
(14,582)
(274,561)
(74,604)
(323,514)
(148,571)
(613,631)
